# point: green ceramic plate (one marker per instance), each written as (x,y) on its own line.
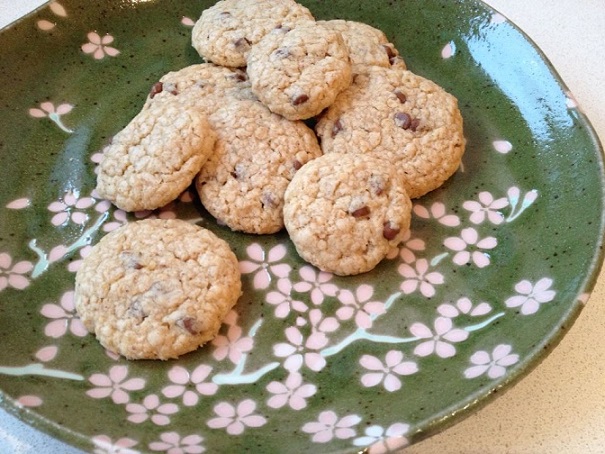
(497,266)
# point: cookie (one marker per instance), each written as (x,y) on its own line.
(404,119)
(156,289)
(256,155)
(345,212)
(202,86)
(367,45)
(225,32)
(155,157)
(299,72)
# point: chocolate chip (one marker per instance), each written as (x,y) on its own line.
(336,128)
(415,123)
(269,200)
(377,184)
(189,324)
(296,164)
(283,28)
(131,260)
(239,170)
(389,232)
(361,212)
(171,88)
(403,120)
(155,89)
(241,43)
(282,52)
(136,310)
(400,96)
(299,99)
(390,51)
(240,76)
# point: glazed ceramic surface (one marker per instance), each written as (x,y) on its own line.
(496,267)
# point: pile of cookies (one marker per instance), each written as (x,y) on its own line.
(235,126)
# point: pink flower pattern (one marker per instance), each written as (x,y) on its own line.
(297,351)
(233,345)
(318,283)
(70,208)
(13,275)
(437,212)
(99,46)
(358,306)
(486,208)
(283,301)
(183,382)
(292,393)
(410,246)
(493,364)
(381,441)
(235,419)
(114,385)
(265,266)
(463,306)
(531,296)
(173,443)
(329,426)
(469,247)
(152,409)
(419,278)
(64,318)
(104,445)
(440,341)
(387,372)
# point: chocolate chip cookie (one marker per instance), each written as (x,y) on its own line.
(345,212)
(256,155)
(404,119)
(156,289)
(299,72)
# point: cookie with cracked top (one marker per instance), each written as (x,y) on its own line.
(155,157)
(299,72)
(202,86)
(225,32)
(256,155)
(403,118)
(157,289)
(368,46)
(345,212)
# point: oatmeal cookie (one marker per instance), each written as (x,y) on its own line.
(256,155)
(225,32)
(345,212)
(155,157)
(367,45)
(404,119)
(299,72)
(156,289)
(201,86)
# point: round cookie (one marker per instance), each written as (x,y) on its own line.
(345,212)
(155,157)
(404,119)
(367,45)
(256,155)
(225,32)
(202,86)
(299,72)
(156,289)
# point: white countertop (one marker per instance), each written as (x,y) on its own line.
(560,406)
